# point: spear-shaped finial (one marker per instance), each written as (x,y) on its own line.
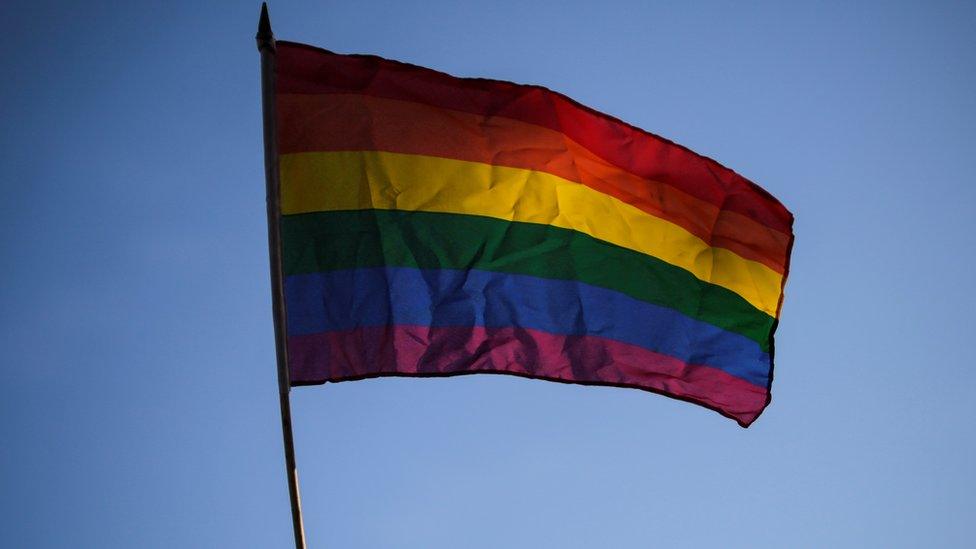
(265,37)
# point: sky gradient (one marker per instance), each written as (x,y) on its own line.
(138,399)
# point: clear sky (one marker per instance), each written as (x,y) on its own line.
(138,403)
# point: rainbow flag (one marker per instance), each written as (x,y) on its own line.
(434,225)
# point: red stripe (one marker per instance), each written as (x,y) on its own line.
(308,70)
(425,351)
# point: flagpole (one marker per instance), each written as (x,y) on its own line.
(266,45)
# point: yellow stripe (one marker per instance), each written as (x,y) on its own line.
(355,180)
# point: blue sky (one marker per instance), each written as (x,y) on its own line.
(138,403)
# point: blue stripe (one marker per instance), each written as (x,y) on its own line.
(348,299)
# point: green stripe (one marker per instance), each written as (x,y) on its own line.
(328,241)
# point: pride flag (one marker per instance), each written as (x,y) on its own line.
(434,225)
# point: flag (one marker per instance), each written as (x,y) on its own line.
(434,225)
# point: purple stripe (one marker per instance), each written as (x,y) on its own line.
(426,351)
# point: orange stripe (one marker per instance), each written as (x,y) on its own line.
(336,122)
(308,70)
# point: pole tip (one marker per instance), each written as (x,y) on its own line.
(264,36)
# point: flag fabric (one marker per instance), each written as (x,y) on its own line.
(434,225)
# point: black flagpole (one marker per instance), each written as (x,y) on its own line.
(266,45)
